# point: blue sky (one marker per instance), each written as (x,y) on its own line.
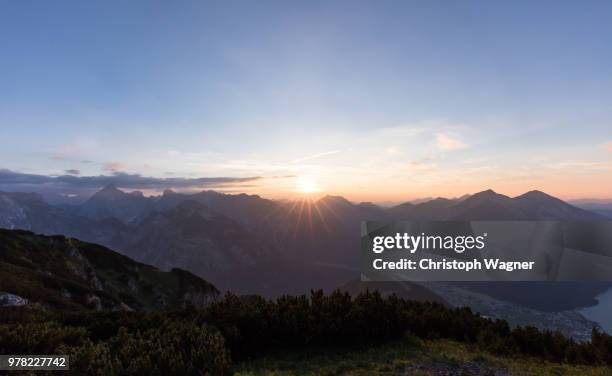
(380,100)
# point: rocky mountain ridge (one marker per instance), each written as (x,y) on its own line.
(65,273)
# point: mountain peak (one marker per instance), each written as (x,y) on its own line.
(539,198)
(109,191)
(487,194)
(109,188)
(487,197)
(168,192)
(536,194)
(329,199)
(404,205)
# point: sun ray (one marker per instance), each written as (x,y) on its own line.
(299,218)
(323,221)
(330,209)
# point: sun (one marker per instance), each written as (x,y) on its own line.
(307,186)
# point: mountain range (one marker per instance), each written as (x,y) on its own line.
(250,244)
(603,207)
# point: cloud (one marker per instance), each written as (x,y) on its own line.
(114,166)
(607,146)
(73,172)
(86,185)
(447,142)
(315,156)
(580,165)
(425,164)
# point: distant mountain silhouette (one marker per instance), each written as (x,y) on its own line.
(489,205)
(599,206)
(485,205)
(533,205)
(252,244)
(111,202)
(28,211)
(194,237)
(434,209)
(132,208)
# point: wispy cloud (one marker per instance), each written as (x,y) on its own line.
(425,164)
(580,166)
(315,156)
(447,142)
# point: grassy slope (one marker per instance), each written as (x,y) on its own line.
(410,356)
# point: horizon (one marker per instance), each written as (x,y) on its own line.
(375,102)
(54,198)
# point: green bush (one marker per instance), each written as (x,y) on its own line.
(254,326)
(196,342)
(39,337)
(170,347)
(175,348)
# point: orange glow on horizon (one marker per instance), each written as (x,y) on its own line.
(568,188)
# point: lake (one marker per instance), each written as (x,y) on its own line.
(602,312)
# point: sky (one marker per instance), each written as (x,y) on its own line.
(378,101)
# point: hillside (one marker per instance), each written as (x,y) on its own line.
(318,334)
(65,273)
(410,356)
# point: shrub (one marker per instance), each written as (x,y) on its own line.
(176,348)
(195,342)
